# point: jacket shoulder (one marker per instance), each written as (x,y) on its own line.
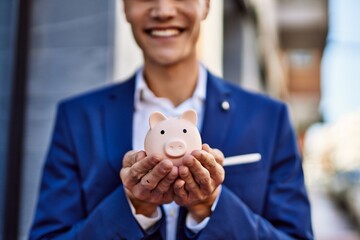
(100,95)
(250,98)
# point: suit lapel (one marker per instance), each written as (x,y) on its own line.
(217,117)
(118,121)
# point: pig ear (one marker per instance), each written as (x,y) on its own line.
(155,118)
(191,116)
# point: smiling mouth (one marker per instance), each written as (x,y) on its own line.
(170,32)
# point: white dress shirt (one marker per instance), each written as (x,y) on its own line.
(146,103)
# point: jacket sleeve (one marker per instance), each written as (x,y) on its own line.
(60,212)
(286,213)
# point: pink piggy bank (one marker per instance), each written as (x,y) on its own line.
(173,137)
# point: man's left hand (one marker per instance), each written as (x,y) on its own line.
(199,179)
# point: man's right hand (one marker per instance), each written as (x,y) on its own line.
(148,180)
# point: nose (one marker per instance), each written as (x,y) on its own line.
(175,148)
(163,9)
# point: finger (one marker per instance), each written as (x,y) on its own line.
(165,184)
(199,173)
(131,157)
(208,161)
(143,166)
(139,156)
(168,197)
(152,178)
(132,175)
(180,194)
(140,193)
(190,183)
(206,147)
(155,196)
(159,198)
(218,155)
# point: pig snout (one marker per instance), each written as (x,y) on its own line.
(175,148)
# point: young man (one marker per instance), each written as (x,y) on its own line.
(82,195)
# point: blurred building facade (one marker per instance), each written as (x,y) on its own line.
(332,147)
(49,50)
(340,68)
(7,52)
(303,26)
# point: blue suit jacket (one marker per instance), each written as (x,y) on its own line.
(81,195)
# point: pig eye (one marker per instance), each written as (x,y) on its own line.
(162,132)
(184,130)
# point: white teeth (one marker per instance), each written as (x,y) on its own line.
(165,33)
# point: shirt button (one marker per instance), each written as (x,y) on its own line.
(172,213)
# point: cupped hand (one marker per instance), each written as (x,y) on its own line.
(199,179)
(147,180)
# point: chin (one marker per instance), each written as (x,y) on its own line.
(168,59)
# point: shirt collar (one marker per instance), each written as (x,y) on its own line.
(143,93)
